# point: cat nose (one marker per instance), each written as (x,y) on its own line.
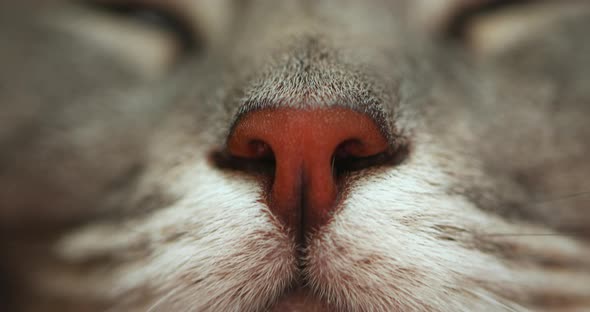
(309,149)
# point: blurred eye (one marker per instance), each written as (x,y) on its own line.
(491,27)
(467,14)
(152,14)
(149,37)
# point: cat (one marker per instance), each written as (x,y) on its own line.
(294,156)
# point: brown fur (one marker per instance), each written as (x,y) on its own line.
(93,150)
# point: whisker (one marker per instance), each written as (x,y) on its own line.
(427,193)
(162,300)
(525,234)
(564,197)
(564,233)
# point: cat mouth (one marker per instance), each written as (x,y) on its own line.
(300,296)
(299,299)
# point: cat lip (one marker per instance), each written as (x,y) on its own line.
(299,299)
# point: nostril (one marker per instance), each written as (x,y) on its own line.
(351,155)
(349,148)
(260,150)
(254,156)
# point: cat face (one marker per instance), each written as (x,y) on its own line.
(315,156)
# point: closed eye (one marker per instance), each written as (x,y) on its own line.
(148,37)
(493,27)
(154,15)
(462,20)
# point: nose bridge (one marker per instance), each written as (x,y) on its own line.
(310,74)
(269,26)
(297,64)
(263,19)
(312,52)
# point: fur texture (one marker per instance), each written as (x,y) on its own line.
(111,199)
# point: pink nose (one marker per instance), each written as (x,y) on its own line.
(304,145)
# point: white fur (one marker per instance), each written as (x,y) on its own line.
(219,249)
